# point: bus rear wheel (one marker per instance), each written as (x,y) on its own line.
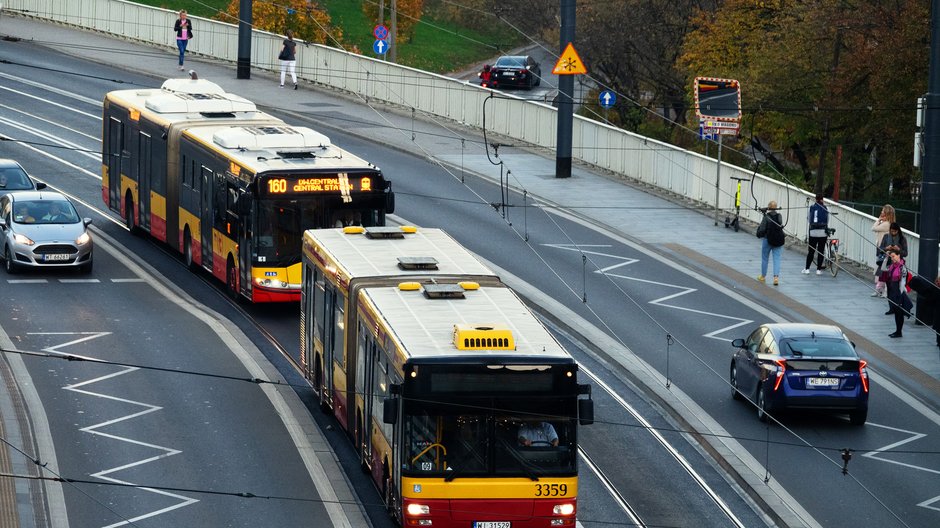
(188,251)
(129,216)
(231,275)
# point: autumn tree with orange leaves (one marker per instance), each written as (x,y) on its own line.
(409,14)
(304,17)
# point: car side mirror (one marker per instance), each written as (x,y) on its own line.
(737,343)
(40,186)
(86,221)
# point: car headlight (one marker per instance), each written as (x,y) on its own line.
(83,239)
(23,239)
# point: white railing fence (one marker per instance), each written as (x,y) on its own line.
(684,173)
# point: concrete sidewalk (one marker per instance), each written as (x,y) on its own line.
(687,233)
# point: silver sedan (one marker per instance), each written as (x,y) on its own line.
(42,229)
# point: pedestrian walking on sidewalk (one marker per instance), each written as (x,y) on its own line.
(818,219)
(893,240)
(771,231)
(288,58)
(184,33)
(896,279)
(880,228)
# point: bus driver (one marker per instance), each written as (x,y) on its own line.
(537,433)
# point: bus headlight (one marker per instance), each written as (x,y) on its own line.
(563,509)
(419,509)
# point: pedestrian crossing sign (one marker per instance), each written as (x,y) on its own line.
(569,63)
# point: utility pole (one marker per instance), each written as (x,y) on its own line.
(930,190)
(243,71)
(393,35)
(565,92)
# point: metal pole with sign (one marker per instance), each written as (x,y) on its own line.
(718,107)
(718,179)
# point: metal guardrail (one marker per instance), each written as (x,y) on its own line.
(684,173)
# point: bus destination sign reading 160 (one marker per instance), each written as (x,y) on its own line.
(339,183)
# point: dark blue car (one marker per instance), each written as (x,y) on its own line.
(800,366)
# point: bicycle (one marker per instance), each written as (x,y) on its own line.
(832,251)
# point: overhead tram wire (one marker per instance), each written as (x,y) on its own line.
(259,381)
(514,230)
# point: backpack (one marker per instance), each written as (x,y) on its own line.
(775,235)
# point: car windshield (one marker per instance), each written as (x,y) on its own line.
(808,347)
(45,212)
(511,62)
(14,179)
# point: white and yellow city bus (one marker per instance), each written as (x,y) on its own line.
(442,370)
(230,188)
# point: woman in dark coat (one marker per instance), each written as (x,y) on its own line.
(900,303)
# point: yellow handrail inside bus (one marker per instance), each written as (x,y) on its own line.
(428,448)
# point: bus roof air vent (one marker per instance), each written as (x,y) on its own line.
(443,291)
(273,137)
(417,263)
(483,337)
(384,232)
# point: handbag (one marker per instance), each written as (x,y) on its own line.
(282,55)
(762,228)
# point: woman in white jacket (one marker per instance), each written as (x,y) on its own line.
(880,228)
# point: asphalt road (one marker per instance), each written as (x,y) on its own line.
(638,299)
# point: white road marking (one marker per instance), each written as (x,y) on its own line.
(79,281)
(94,429)
(874,455)
(128,280)
(927,503)
(683,290)
(78,149)
(27,281)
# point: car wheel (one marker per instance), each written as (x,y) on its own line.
(858,417)
(762,408)
(735,392)
(11,265)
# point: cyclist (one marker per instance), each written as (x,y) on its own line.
(818,219)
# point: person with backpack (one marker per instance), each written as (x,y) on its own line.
(896,279)
(771,230)
(818,220)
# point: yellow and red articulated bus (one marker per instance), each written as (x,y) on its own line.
(463,407)
(231,189)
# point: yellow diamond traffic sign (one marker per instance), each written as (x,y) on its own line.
(569,63)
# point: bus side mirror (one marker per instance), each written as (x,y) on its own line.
(585,412)
(390,202)
(390,410)
(243,205)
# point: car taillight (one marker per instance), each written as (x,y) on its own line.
(781,369)
(863,373)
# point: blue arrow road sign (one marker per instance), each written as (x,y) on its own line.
(380,46)
(607,98)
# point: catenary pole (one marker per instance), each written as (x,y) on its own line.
(565,92)
(243,70)
(930,190)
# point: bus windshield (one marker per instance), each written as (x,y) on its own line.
(278,237)
(506,436)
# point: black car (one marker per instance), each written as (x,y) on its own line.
(793,366)
(14,178)
(516,70)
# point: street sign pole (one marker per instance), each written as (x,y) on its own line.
(718,179)
(565,121)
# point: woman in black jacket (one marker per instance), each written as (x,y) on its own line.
(184,32)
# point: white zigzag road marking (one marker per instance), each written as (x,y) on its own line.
(914,436)
(683,290)
(94,429)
